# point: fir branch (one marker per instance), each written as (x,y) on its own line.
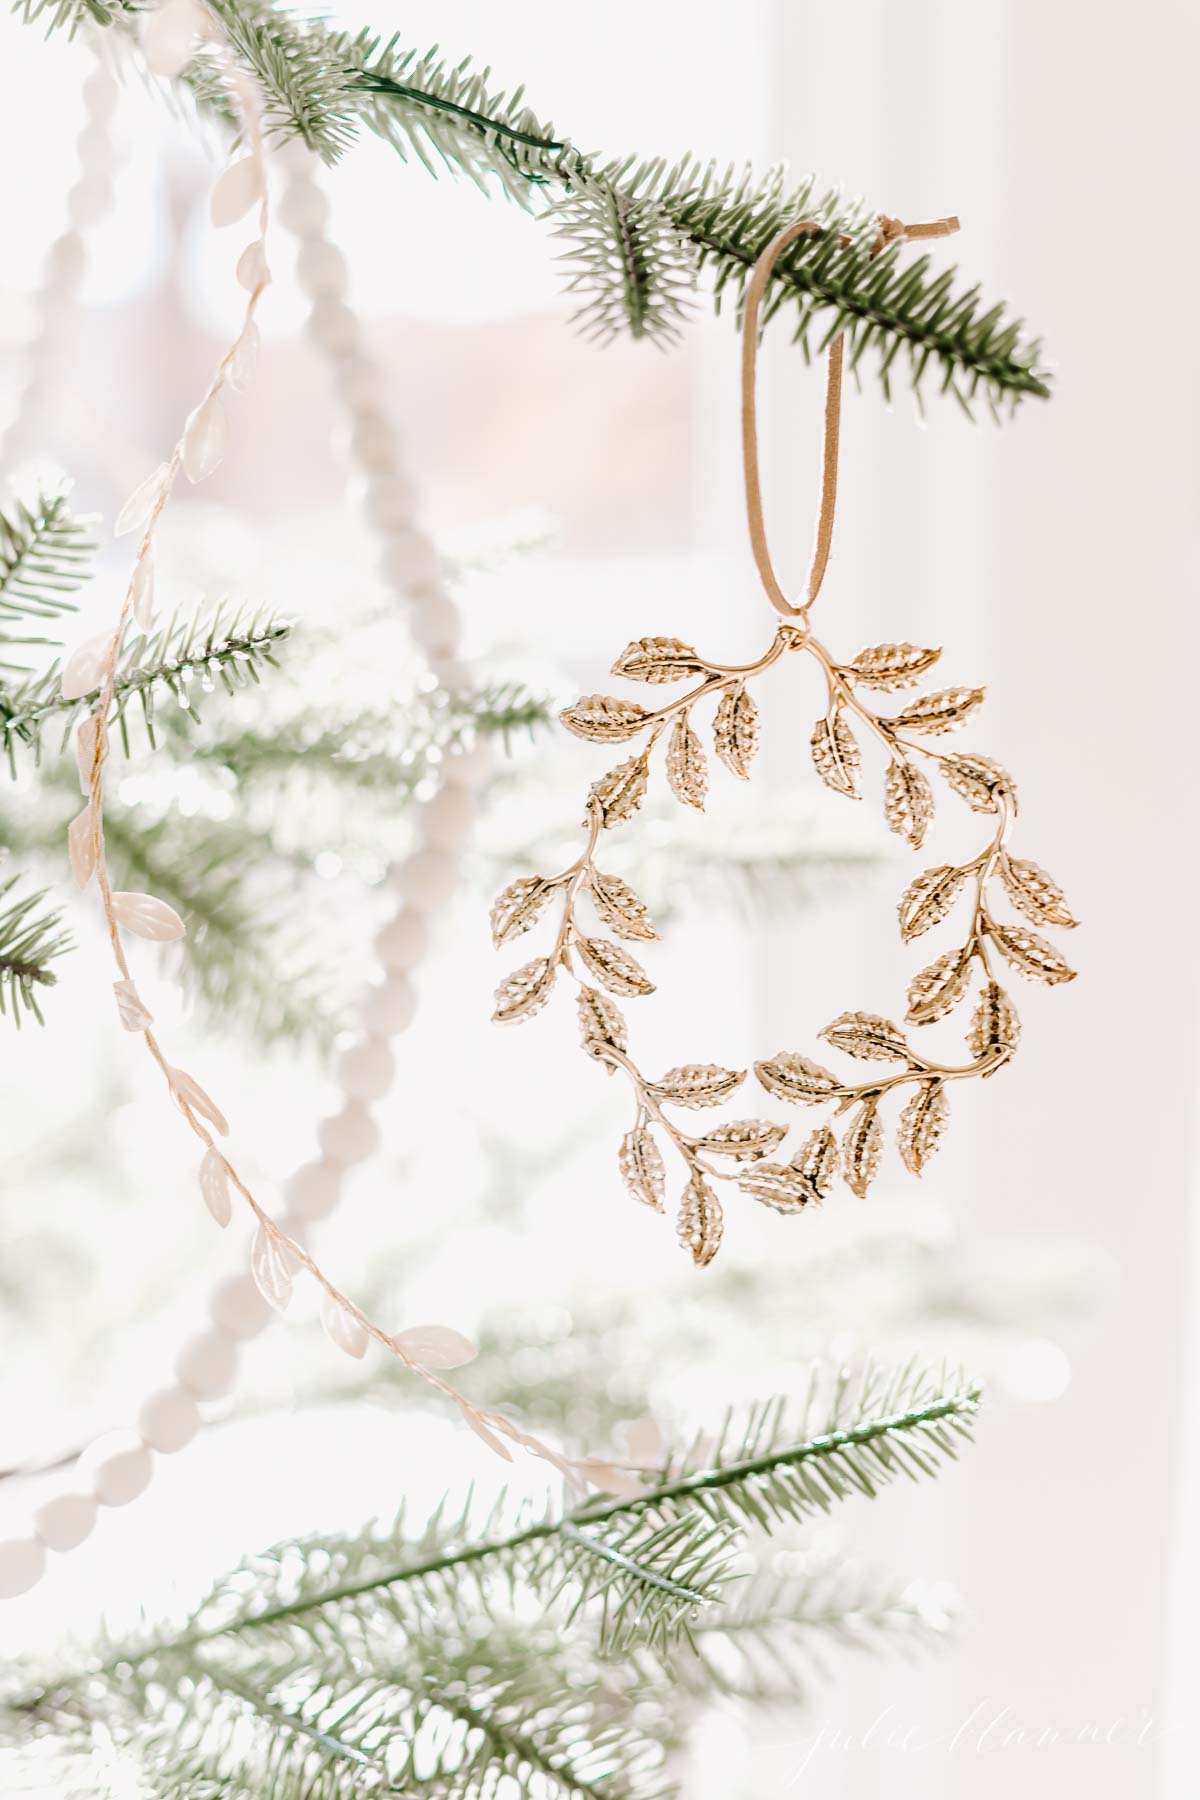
(45,556)
(68,15)
(30,939)
(640,228)
(185,658)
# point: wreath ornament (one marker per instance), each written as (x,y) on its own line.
(607,971)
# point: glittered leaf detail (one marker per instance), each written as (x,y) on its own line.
(939,988)
(700,1223)
(81,846)
(271,1267)
(435,1346)
(817,1161)
(862,1148)
(642,1171)
(995,1026)
(214,1187)
(342,1328)
(887,667)
(614,967)
(922,1124)
(795,1078)
(907,802)
(600,1022)
(737,730)
(603,720)
(687,765)
(778,1186)
(135,514)
(187,1093)
(619,907)
(134,1015)
(867,1036)
(519,907)
(148,917)
(926,901)
(657,659)
(524,992)
(742,1139)
(1035,893)
(982,783)
(944,710)
(836,756)
(86,743)
(620,793)
(697,1084)
(1031,956)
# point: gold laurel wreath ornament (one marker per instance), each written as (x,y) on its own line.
(606,971)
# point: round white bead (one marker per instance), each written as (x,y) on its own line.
(408,559)
(99,93)
(22,1561)
(117,1468)
(65,1520)
(89,200)
(389,502)
(334,327)
(304,209)
(447,820)
(403,941)
(207,1363)
(92,145)
(313,1191)
(66,258)
(349,1136)
(373,442)
(437,626)
(468,768)
(236,1305)
(321,269)
(357,381)
(168,1419)
(365,1070)
(390,1007)
(427,878)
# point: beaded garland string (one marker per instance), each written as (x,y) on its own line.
(606,971)
(118,1468)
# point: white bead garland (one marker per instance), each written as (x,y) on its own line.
(117,1468)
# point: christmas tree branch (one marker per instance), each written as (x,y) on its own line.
(45,555)
(30,938)
(639,231)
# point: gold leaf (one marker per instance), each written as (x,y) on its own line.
(614,967)
(524,992)
(817,1161)
(619,907)
(776,1185)
(1035,893)
(939,988)
(862,1148)
(656,660)
(620,793)
(687,765)
(601,719)
(944,710)
(795,1078)
(737,730)
(908,801)
(641,1165)
(600,1022)
(697,1084)
(922,1123)
(995,1026)
(1031,955)
(519,907)
(982,783)
(742,1139)
(927,900)
(867,1036)
(891,666)
(836,756)
(700,1224)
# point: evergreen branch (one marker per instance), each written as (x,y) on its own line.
(68,15)
(641,229)
(45,555)
(30,939)
(184,659)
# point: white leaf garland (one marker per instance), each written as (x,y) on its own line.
(214,1186)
